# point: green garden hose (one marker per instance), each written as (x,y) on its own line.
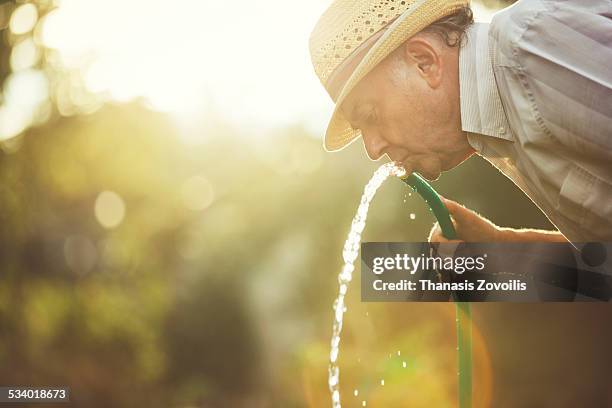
(463,312)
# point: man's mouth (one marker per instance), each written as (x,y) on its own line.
(431,173)
(403,163)
(410,167)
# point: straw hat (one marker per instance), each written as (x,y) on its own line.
(353,36)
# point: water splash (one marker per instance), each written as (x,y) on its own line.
(349,254)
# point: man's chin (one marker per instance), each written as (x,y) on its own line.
(430,176)
(428,170)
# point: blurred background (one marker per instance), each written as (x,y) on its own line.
(171,228)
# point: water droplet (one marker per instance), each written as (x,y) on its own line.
(412,216)
(404,364)
(356,392)
(382,382)
(399,353)
(363,403)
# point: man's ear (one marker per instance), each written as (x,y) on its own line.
(426,58)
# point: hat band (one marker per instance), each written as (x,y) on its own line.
(343,71)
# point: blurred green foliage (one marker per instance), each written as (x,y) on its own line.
(225,306)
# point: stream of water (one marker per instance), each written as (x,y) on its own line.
(349,255)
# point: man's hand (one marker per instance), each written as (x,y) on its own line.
(472,227)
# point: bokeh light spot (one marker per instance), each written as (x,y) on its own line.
(80,254)
(109,209)
(24,55)
(23,19)
(13,120)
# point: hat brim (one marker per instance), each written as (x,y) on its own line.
(420,14)
(339,133)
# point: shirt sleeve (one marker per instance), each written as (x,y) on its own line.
(560,52)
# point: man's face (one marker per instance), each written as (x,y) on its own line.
(408,108)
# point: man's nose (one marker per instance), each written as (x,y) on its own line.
(374,144)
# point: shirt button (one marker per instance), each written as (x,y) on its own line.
(502,130)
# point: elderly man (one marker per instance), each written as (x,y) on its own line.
(531,93)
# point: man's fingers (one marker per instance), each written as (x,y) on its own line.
(470,225)
(436,235)
(437,238)
(458,211)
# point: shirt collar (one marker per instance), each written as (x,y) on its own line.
(481,108)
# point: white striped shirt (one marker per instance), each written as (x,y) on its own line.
(536,101)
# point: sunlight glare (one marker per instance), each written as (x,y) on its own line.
(245,61)
(249,58)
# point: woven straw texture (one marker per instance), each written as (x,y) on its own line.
(346,24)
